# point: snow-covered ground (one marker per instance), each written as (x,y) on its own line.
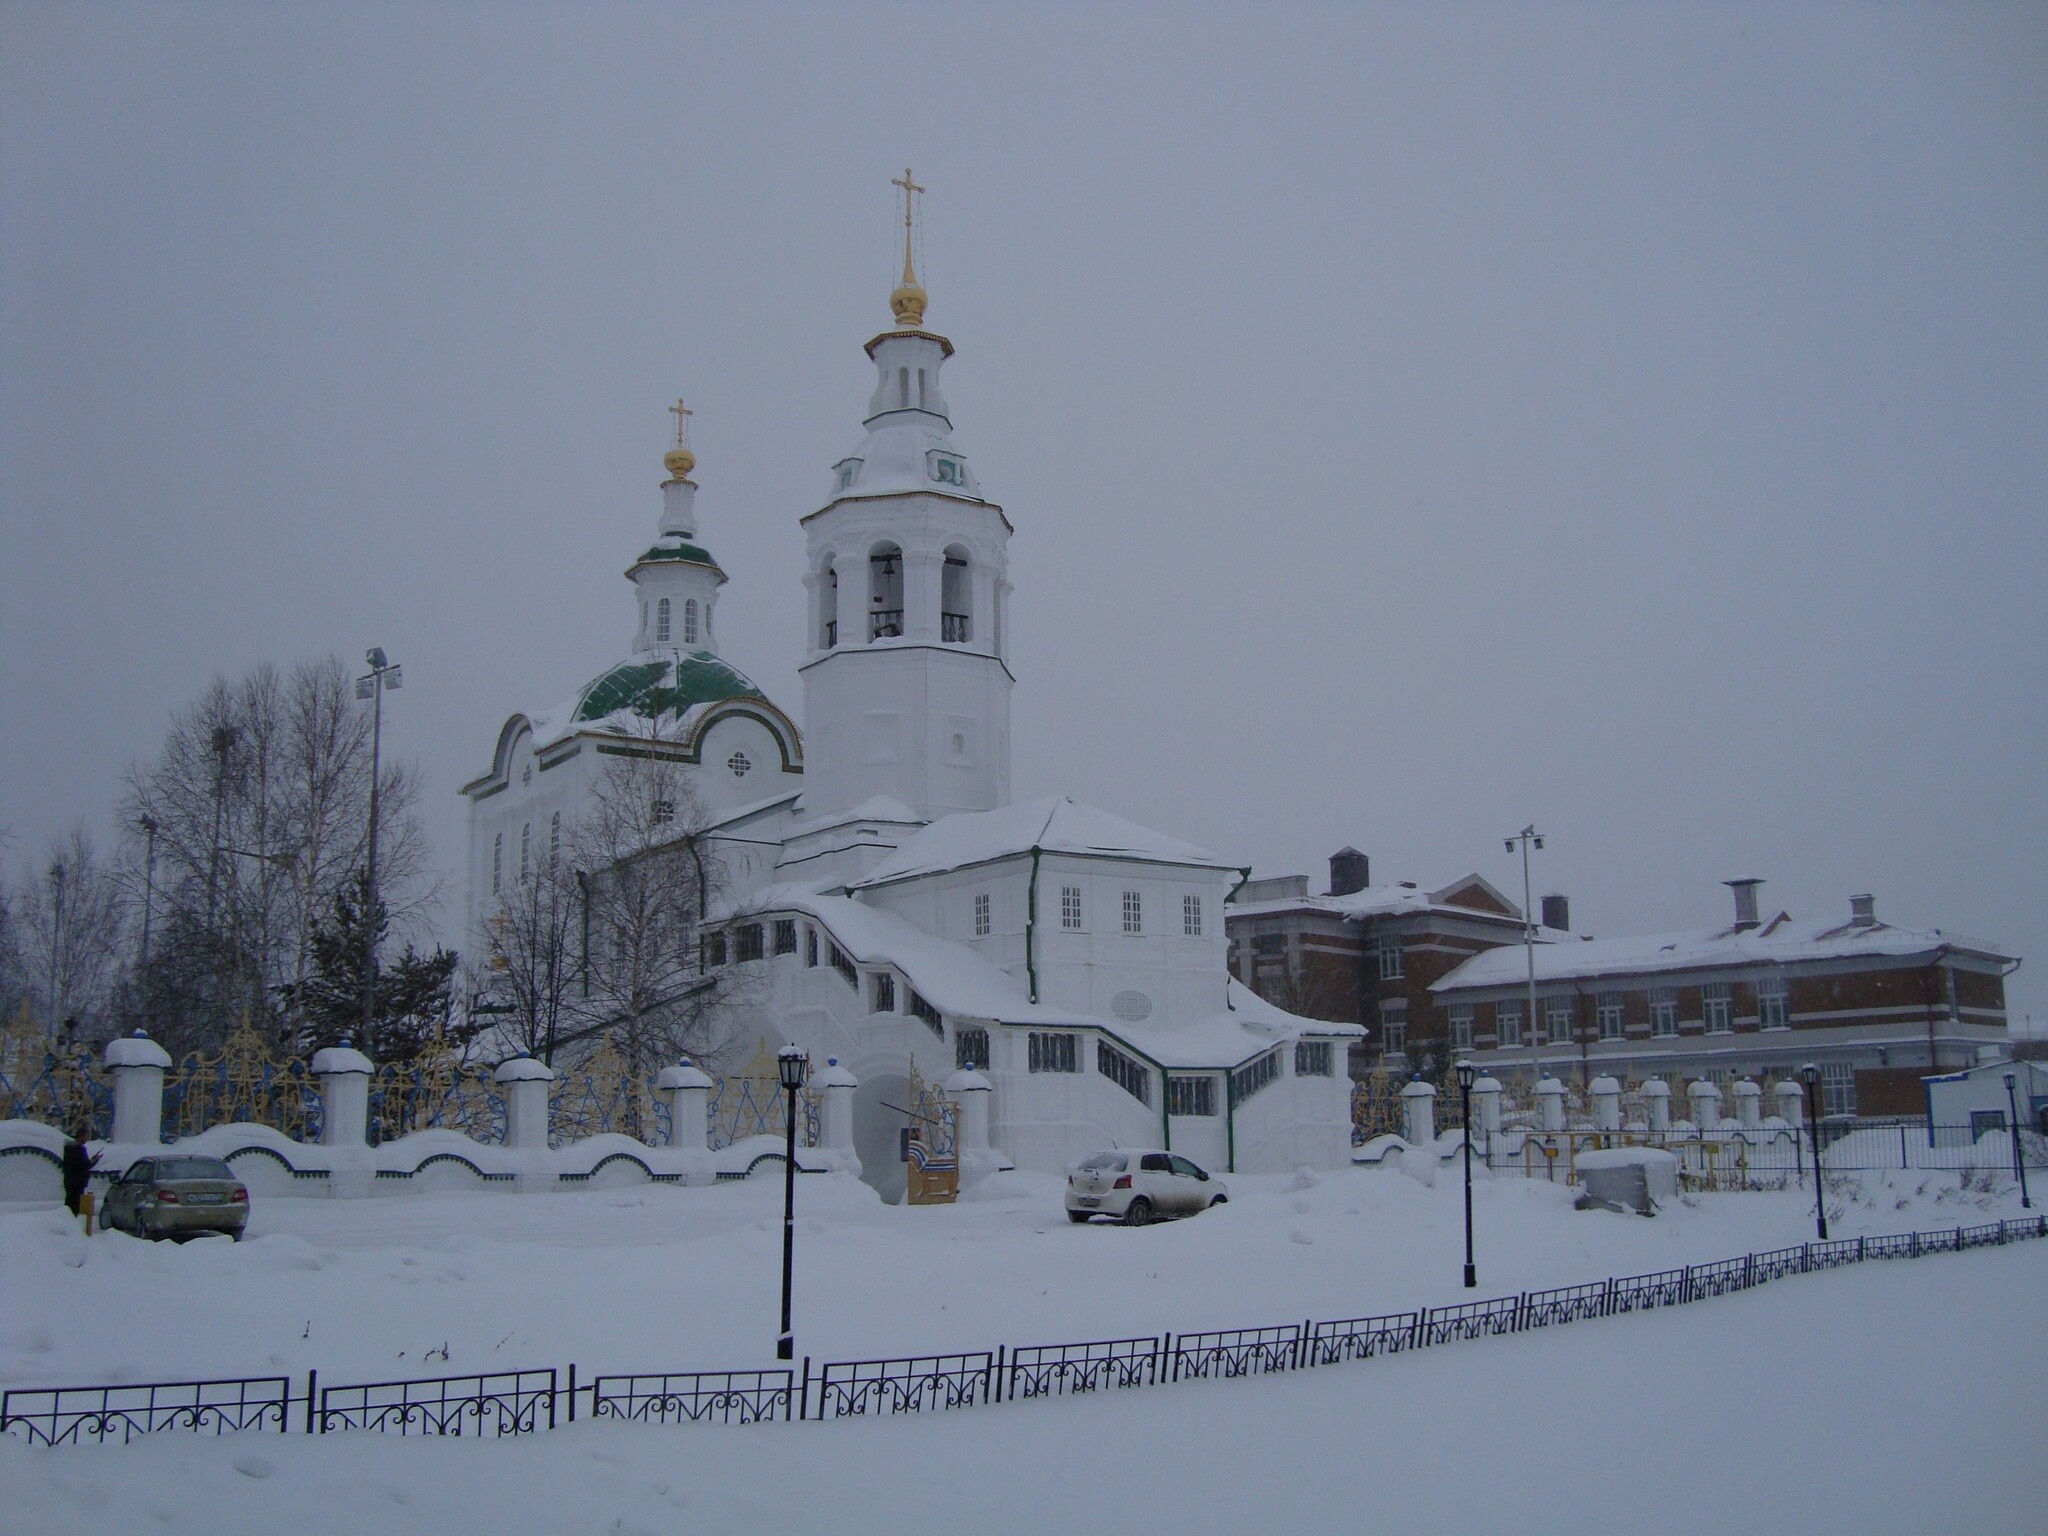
(1880,1397)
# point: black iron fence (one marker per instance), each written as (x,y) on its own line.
(521,1402)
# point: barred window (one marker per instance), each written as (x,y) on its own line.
(1390,960)
(497,862)
(843,964)
(554,839)
(1128,1074)
(1053,1052)
(1312,1058)
(1609,1015)
(748,943)
(1191,916)
(1134,912)
(920,1009)
(525,850)
(1507,1022)
(1770,1002)
(1664,1012)
(1191,1096)
(785,936)
(664,811)
(970,1050)
(710,951)
(885,993)
(1461,1026)
(1070,906)
(1717,1007)
(982,919)
(810,946)
(1254,1075)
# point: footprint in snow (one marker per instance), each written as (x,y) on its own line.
(258,1467)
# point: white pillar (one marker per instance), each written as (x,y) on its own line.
(1606,1104)
(525,1081)
(1657,1103)
(1418,1103)
(1749,1100)
(1791,1103)
(834,1150)
(970,1090)
(1486,1093)
(138,1064)
(688,1091)
(344,1075)
(1550,1105)
(1706,1104)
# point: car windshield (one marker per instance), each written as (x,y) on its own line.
(1105,1162)
(192,1168)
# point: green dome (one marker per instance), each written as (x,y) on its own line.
(673,548)
(654,688)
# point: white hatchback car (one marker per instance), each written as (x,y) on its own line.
(1135,1186)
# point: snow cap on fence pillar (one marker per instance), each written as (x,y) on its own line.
(526,1101)
(344,1074)
(1549,1105)
(688,1088)
(833,1075)
(685,1074)
(1749,1100)
(1791,1102)
(524,1069)
(967,1080)
(137,1063)
(1606,1092)
(1657,1102)
(338,1059)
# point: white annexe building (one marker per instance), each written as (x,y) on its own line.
(898,909)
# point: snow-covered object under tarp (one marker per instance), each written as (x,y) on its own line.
(1052,825)
(1627,1179)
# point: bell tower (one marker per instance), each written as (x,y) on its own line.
(906,681)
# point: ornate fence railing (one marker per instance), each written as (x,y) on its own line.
(521,1402)
(43,1079)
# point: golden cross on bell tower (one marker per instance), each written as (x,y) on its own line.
(910,188)
(682,414)
(679,459)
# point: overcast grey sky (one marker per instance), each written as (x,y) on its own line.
(1416,420)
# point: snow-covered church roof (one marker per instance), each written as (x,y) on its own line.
(1051,825)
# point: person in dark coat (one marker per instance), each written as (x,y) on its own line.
(79,1162)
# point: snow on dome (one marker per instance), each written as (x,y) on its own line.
(1053,825)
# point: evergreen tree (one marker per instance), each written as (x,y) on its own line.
(415,993)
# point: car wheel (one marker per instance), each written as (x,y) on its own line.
(1138,1213)
(1079,1216)
(1219,1200)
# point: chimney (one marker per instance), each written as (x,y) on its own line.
(1862,911)
(1745,903)
(1350,871)
(1557,912)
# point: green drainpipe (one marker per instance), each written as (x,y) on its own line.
(1031,924)
(1229,1121)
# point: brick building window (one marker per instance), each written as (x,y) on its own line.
(1557,1020)
(1394,1037)
(1070,906)
(1837,1088)
(1608,1015)
(1134,912)
(1269,944)
(982,919)
(1664,1012)
(1507,1022)
(1718,1007)
(1461,1026)
(1390,959)
(1191,916)
(1770,1002)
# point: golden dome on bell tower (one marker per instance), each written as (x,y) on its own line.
(679,460)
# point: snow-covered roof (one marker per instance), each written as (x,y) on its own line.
(1053,825)
(1778,942)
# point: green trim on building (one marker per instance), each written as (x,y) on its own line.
(653,688)
(688,554)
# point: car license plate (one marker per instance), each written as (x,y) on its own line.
(206,1199)
(1088,1200)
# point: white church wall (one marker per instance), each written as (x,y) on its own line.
(739,762)
(1180,978)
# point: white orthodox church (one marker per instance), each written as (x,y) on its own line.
(900,908)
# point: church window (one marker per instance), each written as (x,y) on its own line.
(497,862)
(661,622)
(1254,1075)
(1134,912)
(885,993)
(1126,1072)
(920,389)
(554,838)
(690,621)
(1070,906)
(956,622)
(525,849)
(1191,916)
(749,943)
(1312,1058)
(1191,1096)
(710,951)
(828,608)
(785,936)
(811,947)
(970,1050)
(903,388)
(842,962)
(739,763)
(920,1009)
(664,811)
(982,919)
(1049,1052)
(885,592)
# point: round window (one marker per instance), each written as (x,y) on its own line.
(739,764)
(1132,1006)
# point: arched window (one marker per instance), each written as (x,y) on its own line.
(690,621)
(497,862)
(885,592)
(554,838)
(525,850)
(661,622)
(956,599)
(828,607)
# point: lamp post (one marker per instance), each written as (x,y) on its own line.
(1527,836)
(2019,1159)
(792,1065)
(1466,1072)
(1810,1075)
(383,675)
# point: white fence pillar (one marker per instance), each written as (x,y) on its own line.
(688,1090)
(1606,1104)
(1791,1103)
(1706,1104)
(138,1064)
(1550,1105)
(970,1090)
(1418,1104)
(525,1081)
(344,1074)
(1749,1100)
(835,1087)
(1657,1103)
(1486,1093)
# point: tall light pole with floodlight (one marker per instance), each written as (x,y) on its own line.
(1466,1072)
(384,676)
(792,1065)
(2019,1156)
(1526,837)
(1810,1075)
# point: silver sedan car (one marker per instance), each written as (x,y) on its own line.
(176,1195)
(1136,1186)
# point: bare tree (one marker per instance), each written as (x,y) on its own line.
(532,973)
(67,933)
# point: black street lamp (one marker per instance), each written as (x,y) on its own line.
(1810,1075)
(1466,1072)
(792,1065)
(2019,1159)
